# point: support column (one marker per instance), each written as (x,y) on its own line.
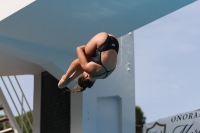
(76,113)
(37,103)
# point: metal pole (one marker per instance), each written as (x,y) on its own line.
(22,115)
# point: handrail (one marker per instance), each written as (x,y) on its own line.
(9,113)
(13,101)
(10,95)
(21,102)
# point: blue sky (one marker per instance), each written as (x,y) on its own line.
(167,62)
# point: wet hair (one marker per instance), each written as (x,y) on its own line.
(84,83)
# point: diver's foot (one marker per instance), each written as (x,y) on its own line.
(62,84)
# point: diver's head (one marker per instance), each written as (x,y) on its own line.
(85,81)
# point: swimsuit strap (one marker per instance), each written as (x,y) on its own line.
(105,72)
(108,72)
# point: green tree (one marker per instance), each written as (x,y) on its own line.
(1,125)
(140,119)
(26,123)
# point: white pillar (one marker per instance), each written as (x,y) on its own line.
(37,103)
(76,112)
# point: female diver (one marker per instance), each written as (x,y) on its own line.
(96,60)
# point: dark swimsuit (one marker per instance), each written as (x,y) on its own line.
(110,43)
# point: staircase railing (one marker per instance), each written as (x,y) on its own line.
(16,89)
(9,113)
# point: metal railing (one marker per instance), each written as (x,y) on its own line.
(8,113)
(13,87)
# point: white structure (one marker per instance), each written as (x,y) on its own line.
(43,37)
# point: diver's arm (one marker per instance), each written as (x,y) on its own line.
(83,60)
